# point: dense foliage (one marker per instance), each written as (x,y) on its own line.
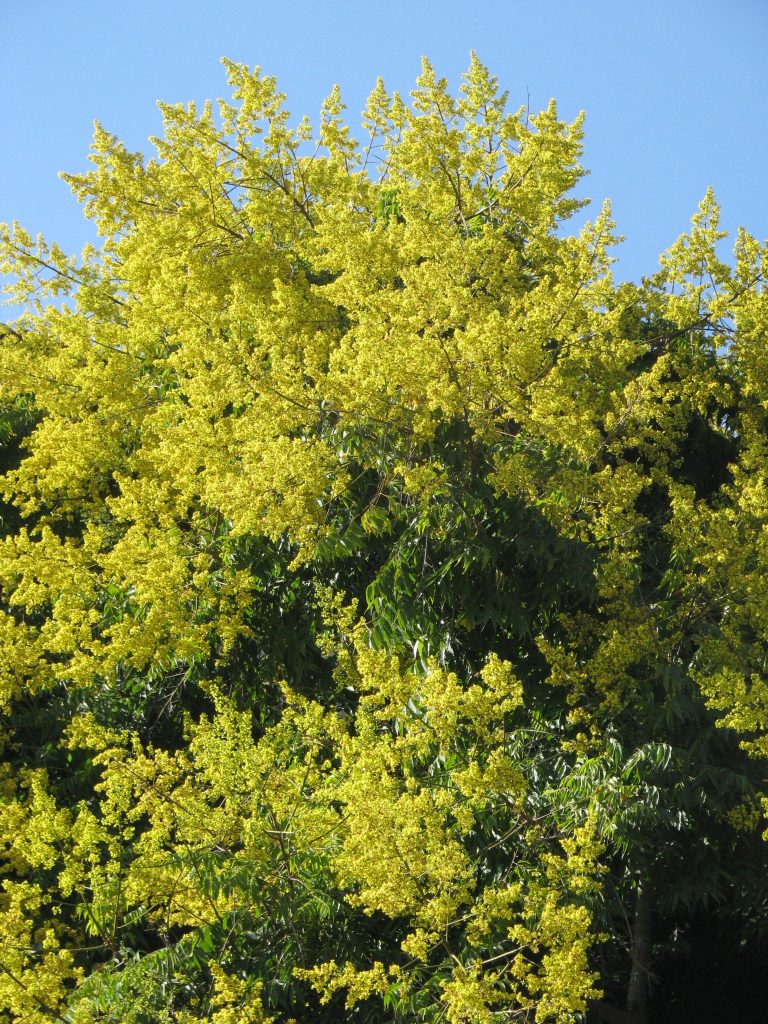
(383,602)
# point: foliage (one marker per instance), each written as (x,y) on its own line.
(382,587)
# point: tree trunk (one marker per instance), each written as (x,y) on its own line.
(637,992)
(610,1014)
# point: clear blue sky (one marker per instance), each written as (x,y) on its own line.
(676,91)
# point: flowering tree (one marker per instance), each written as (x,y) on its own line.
(383,602)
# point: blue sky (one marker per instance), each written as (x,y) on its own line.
(675,91)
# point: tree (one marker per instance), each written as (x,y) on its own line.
(383,602)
